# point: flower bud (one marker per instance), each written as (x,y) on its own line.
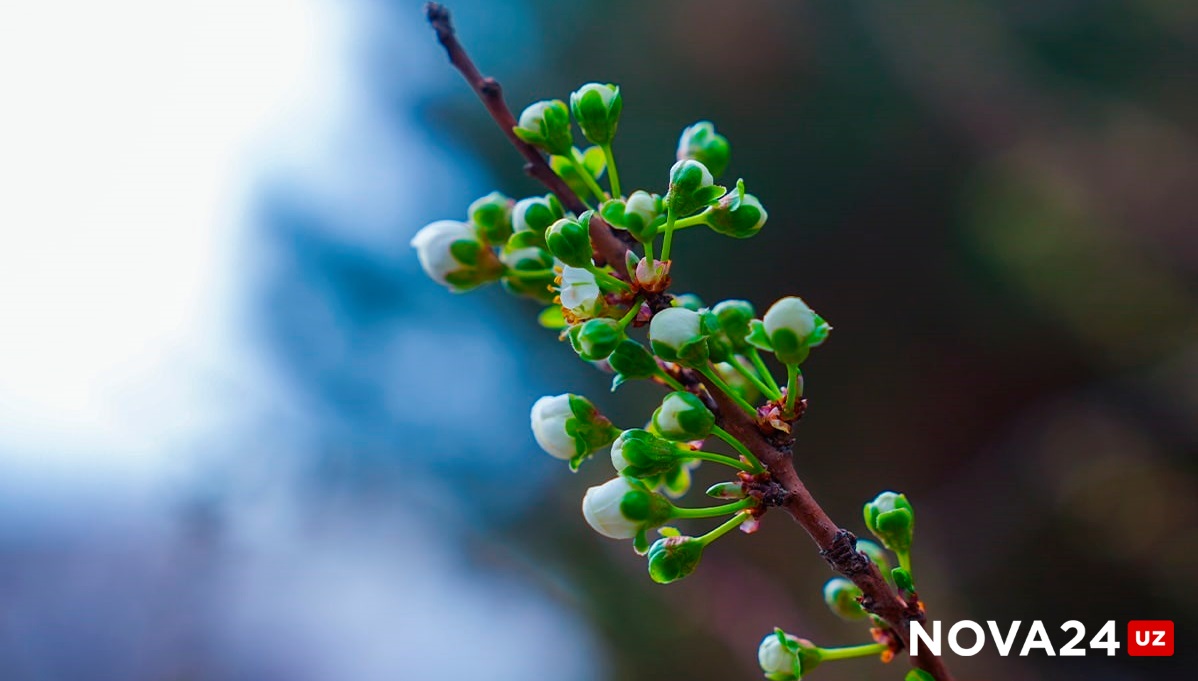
(891,519)
(579,293)
(691,188)
(546,125)
(631,360)
(738,214)
(535,214)
(492,217)
(842,596)
(637,453)
(727,490)
(452,255)
(786,658)
(734,317)
(570,241)
(652,275)
(620,509)
(529,259)
(641,214)
(702,143)
(719,349)
(683,417)
(675,335)
(597,108)
(592,159)
(569,427)
(672,558)
(595,339)
(789,329)
(903,581)
(688,301)
(918,675)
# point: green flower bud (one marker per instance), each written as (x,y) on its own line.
(891,519)
(535,214)
(631,360)
(570,428)
(492,217)
(842,596)
(786,658)
(789,329)
(579,293)
(918,675)
(675,335)
(641,214)
(530,259)
(452,255)
(637,453)
(719,349)
(877,555)
(595,339)
(546,125)
(570,241)
(734,317)
(592,159)
(672,558)
(700,142)
(621,509)
(683,417)
(726,490)
(691,188)
(738,214)
(597,109)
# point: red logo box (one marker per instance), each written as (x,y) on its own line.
(1150,638)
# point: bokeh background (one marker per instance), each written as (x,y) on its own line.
(243,437)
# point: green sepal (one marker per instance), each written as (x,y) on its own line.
(598,121)
(726,490)
(630,262)
(820,333)
(551,318)
(553,134)
(595,339)
(630,360)
(918,675)
(702,143)
(492,217)
(525,239)
(570,240)
(757,337)
(903,581)
(788,347)
(673,558)
(466,251)
(592,159)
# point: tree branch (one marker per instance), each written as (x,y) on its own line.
(774,448)
(491,94)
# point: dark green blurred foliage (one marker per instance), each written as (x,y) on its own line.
(993,205)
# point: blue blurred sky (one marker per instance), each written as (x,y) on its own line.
(194,403)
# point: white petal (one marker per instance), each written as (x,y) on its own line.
(432,244)
(601,508)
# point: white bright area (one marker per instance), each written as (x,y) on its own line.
(132,133)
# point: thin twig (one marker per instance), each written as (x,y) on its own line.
(491,94)
(773,448)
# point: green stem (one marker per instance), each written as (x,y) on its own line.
(772,393)
(670,380)
(649,248)
(762,369)
(714,377)
(720,531)
(698,219)
(849,652)
(713,511)
(739,447)
(631,314)
(905,563)
(792,388)
(612,175)
(721,459)
(528,274)
(669,238)
(605,278)
(575,159)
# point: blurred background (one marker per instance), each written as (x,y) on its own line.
(242,436)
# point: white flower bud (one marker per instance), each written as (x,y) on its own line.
(580,292)
(549,417)
(676,335)
(452,255)
(775,659)
(791,314)
(601,508)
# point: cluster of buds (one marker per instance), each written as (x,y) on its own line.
(538,249)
